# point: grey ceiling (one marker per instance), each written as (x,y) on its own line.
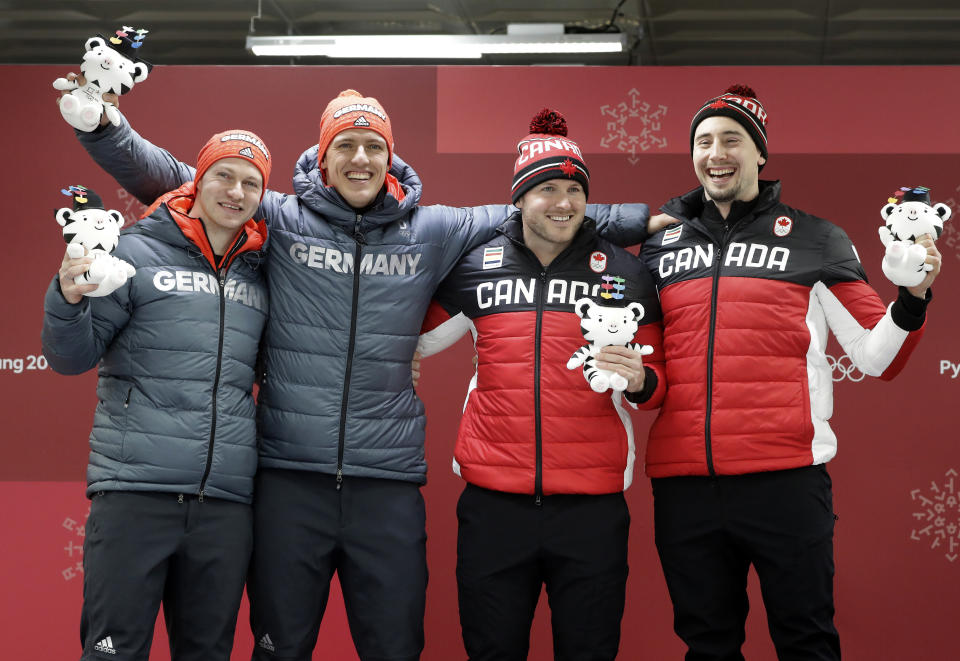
(660,32)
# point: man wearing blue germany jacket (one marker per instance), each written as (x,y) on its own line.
(173,450)
(354,262)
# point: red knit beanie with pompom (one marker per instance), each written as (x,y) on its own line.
(547,153)
(740,104)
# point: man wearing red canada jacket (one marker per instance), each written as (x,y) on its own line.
(750,289)
(544,447)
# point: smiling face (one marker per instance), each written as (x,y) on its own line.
(228,194)
(726,161)
(355,164)
(552,213)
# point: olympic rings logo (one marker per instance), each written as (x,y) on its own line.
(843,368)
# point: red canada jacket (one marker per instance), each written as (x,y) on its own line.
(746,313)
(530,425)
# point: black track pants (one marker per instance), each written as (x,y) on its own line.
(144,548)
(372,532)
(509,547)
(710,530)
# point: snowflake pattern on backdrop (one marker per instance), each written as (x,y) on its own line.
(949,241)
(938,521)
(637,137)
(131,208)
(74,547)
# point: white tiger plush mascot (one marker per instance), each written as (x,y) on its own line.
(88,225)
(605,326)
(109,65)
(908,215)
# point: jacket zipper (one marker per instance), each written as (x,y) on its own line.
(714,288)
(538,430)
(222,279)
(538,335)
(715,284)
(358,237)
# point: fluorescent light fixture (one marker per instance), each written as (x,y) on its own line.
(529,29)
(434,46)
(568,43)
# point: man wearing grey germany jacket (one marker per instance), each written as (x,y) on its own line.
(173,450)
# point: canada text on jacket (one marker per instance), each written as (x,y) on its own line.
(748,255)
(517,291)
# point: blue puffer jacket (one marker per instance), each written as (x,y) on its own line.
(177,350)
(337,396)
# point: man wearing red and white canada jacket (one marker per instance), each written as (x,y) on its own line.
(750,289)
(756,295)
(545,454)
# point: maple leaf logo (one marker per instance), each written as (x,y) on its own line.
(719,103)
(568,168)
(782,226)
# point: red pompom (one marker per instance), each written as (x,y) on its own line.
(742,90)
(549,122)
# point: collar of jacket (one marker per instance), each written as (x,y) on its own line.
(690,204)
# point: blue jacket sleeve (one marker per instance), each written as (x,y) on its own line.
(465,228)
(75,336)
(143,169)
(621,224)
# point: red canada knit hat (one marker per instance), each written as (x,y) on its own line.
(547,153)
(740,104)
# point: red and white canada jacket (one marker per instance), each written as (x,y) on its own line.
(530,425)
(746,321)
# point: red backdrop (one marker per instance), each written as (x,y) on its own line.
(843,139)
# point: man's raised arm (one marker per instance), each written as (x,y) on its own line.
(140,167)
